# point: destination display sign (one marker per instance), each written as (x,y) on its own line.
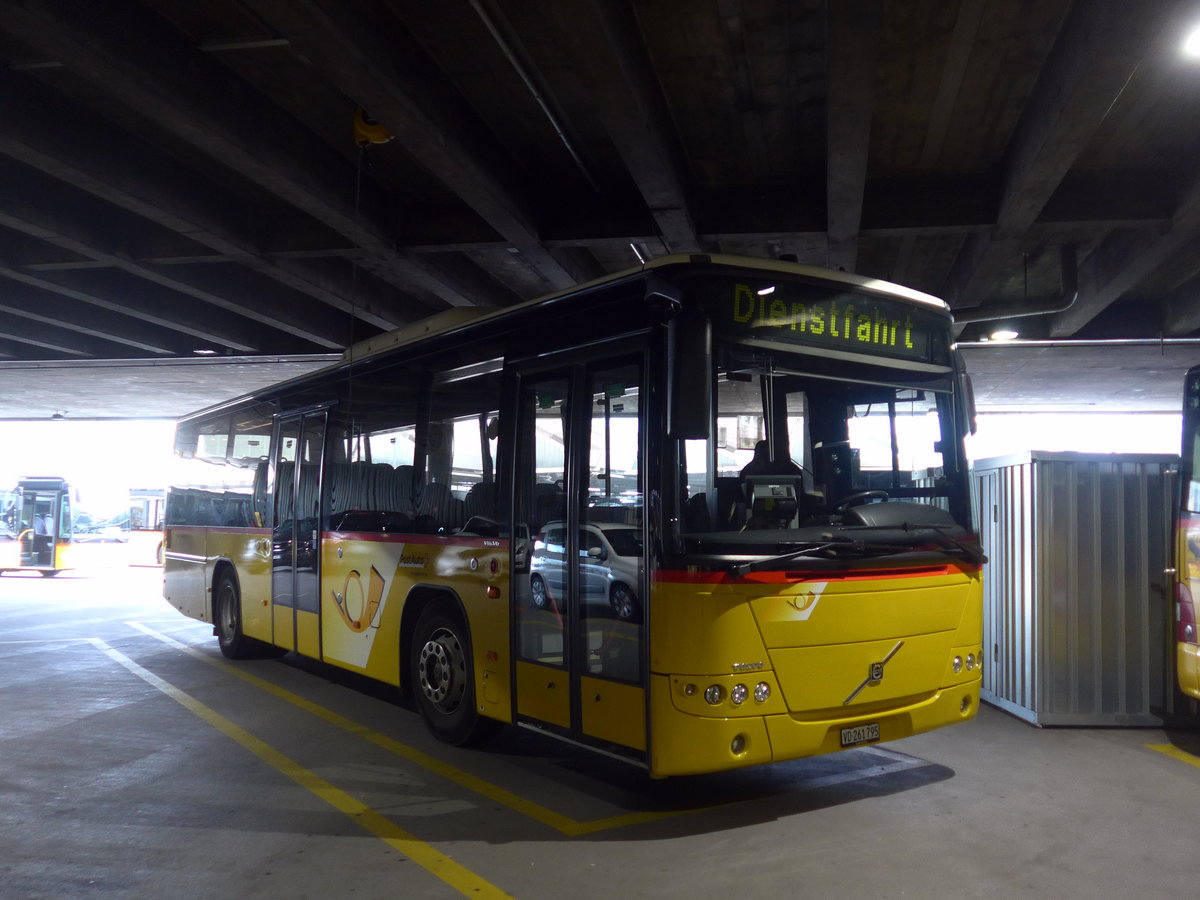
(827,317)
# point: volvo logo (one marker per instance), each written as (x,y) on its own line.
(874,673)
(748,666)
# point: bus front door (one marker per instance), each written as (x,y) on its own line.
(578,562)
(296,539)
(38,534)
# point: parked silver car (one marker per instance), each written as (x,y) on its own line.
(610,560)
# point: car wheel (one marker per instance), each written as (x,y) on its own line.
(443,679)
(537,592)
(624,604)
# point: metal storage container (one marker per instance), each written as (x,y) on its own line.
(1075,612)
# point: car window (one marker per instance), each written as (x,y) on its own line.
(625,541)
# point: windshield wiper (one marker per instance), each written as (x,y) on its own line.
(858,545)
(831,542)
(972,554)
(765,562)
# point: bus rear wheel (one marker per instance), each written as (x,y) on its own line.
(443,680)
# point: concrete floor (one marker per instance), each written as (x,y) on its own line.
(136,762)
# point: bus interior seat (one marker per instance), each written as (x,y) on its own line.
(549,504)
(696,513)
(406,483)
(480,500)
(439,510)
(731,503)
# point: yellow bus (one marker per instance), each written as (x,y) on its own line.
(38,523)
(1187,544)
(707,513)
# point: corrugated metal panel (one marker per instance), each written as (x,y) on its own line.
(1075,617)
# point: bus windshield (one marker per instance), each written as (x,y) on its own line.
(807,451)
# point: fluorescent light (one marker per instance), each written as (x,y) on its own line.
(1191,44)
(1004,334)
(767,290)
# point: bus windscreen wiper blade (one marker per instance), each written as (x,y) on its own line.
(859,545)
(815,549)
(972,554)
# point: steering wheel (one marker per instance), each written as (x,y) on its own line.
(859,497)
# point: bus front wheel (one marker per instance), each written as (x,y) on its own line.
(443,680)
(227,617)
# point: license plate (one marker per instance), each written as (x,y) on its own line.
(860,734)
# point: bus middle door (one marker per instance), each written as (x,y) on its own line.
(296,540)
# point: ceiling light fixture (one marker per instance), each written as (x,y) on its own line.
(1191,44)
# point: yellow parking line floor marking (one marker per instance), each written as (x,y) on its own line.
(436,863)
(1176,753)
(559,822)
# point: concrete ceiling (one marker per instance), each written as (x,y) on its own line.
(1012,377)
(1099,376)
(181,176)
(138,388)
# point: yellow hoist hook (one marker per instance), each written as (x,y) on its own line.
(368,131)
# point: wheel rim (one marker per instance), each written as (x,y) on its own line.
(622,602)
(442,670)
(227,614)
(537,588)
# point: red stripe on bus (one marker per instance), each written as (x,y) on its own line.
(397,537)
(674,576)
(220,529)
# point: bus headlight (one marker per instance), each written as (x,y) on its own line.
(714,694)
(762,691)
(738,694)
(970,662)
(957,664)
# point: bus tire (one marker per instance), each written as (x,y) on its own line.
(227,619)
(49,573)
(443,679)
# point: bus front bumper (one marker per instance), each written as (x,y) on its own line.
(683,744)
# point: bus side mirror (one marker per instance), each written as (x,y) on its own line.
(689,363)
(967,391)
(968,394)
